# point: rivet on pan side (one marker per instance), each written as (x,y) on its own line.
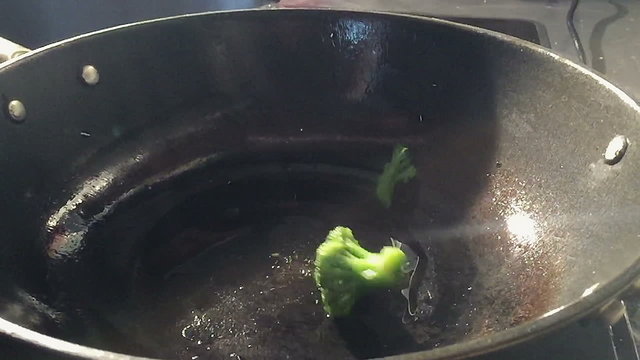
(616,149)
(16,110)
(90,75)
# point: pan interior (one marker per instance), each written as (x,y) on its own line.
(214,258)
(207,172)
(229,271)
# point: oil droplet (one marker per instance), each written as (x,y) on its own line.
(616,149)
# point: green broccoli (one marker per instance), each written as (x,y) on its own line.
(399,169)
(344,270)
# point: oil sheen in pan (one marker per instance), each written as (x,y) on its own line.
(229,273)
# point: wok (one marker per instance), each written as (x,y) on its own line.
(165,185)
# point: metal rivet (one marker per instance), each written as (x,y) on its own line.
(16,110)
(616,149)
(90,75)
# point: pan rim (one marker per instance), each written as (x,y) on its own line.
(601,297)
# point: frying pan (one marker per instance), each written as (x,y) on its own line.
(165,185)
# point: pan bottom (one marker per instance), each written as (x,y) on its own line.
(228,273)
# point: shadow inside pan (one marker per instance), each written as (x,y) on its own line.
(228,270)
(191,251)
(216,261)
(193,236)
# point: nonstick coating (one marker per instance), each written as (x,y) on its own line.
(526,225)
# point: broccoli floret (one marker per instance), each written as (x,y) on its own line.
(344,270)
(399,169)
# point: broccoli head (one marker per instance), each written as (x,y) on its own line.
(399,169)
(344,270)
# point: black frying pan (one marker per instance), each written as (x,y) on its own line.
(171,207)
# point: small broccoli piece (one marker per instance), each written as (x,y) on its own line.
(344,270)
(399,169)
